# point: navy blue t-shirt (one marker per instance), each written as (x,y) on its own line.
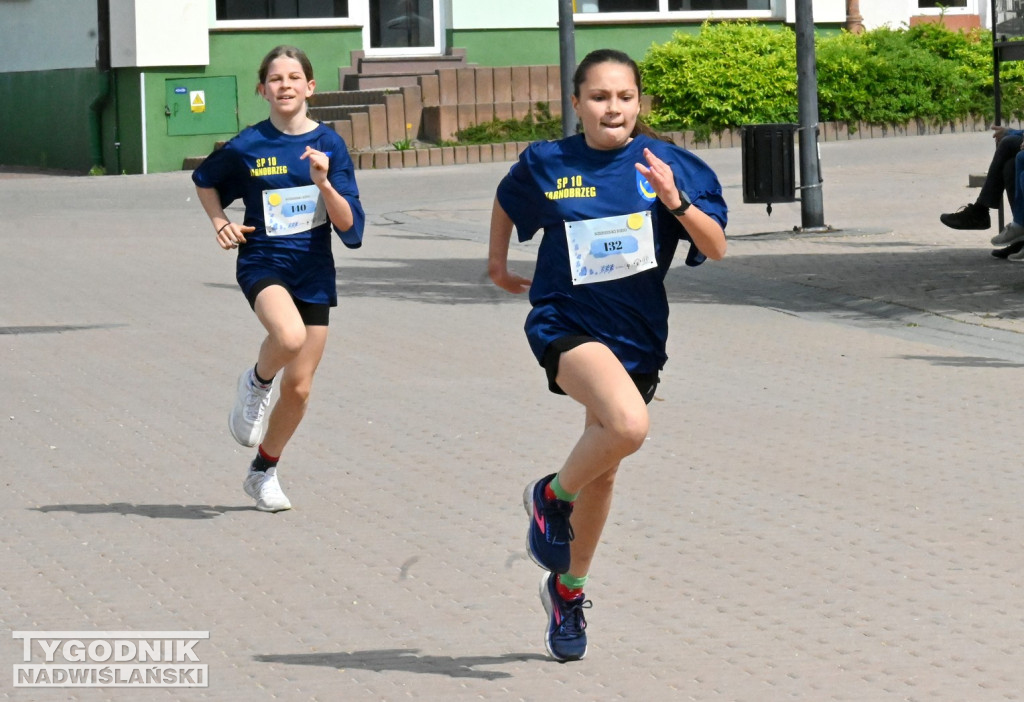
(262,166)
(567,181)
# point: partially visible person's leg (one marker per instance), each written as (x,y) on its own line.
(617,420)
(1009,181)
(296,384)
(1018,191)
(616,426)
(286,333)
(292,349)
(976,215)
(1014,231)
(996,180)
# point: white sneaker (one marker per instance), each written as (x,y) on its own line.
(266,490)
(246,418)
(1019,256)
(1011,234)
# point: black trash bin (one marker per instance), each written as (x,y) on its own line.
(769,160)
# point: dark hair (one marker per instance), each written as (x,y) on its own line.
(613,56)
(289,51)
(604,56)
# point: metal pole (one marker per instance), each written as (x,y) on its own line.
(996,87)
(567,58)
(812,214)
(854,22)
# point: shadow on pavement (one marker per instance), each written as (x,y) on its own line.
(964,361)
(445,281)
(406,660)
(55,328)
(891,285)
(151,511)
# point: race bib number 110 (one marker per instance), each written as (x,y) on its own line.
(293,210)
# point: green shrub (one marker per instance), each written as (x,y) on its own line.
(731,73)
(736,73)
(537,125)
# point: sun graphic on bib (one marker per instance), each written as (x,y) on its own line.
(274,199)
(635,221)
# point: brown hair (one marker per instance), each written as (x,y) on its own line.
(599,56)
(289,51)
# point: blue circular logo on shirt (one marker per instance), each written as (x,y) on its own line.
(644,188)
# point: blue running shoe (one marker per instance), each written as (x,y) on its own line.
(566,637)
(549,534)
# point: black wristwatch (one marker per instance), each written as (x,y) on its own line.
(681,210)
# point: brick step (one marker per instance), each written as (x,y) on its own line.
(333,98)
(380,81)
(335,112)
(405,64)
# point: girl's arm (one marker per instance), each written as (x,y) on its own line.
(705,232)
(229,234)
(338,208)
(497,254)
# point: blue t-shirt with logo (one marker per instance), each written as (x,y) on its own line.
(566,181)
(263,167)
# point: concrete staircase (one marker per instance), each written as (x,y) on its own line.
(394,72)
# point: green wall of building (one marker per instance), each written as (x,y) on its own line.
(524,47)
(519,47)
(237,54)
(44,118)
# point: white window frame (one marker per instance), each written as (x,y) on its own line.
(970,9)
(662,14)
(355,19)
(437,49)
(311,23)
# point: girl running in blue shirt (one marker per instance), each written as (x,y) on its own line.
(613,204)
(298,183)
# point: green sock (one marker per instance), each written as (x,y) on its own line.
(572,582)
(560,493)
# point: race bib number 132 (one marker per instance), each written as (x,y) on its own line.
(610,248)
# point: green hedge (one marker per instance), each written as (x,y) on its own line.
(736,73)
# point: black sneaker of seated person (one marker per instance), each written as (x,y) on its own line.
(973,216)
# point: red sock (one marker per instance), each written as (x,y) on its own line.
(567,594)
(264,461)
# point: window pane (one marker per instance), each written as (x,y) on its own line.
(280,9)
(617,6)
(707,5)
(923,4)
(401,23)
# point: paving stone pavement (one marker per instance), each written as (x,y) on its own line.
(827,507)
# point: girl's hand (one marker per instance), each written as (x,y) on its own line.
(230,235)
(659,175)
(318,163)
(507,280)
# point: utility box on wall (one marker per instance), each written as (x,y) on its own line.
(201,105)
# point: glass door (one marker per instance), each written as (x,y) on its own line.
(403,28)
